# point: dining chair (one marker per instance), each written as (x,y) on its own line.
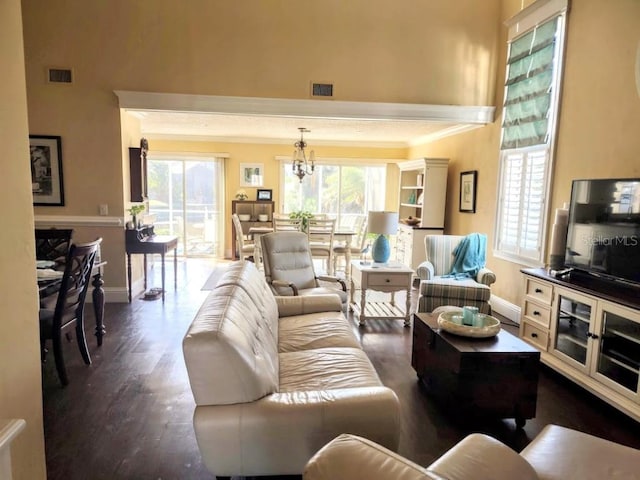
(288,267)
(357,247)
(282,224)
(69,308)
(320,233)
(53,243)
(245,247)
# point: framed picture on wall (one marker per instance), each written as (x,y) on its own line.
(251,174)
(468,183)
(264,194)
(45,154)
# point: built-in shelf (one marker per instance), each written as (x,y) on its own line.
(423,180)
(620,363)
(625,335)
(570,338)
(565,314)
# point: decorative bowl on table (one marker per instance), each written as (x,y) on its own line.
(484,326)
(411,221)
(244,217)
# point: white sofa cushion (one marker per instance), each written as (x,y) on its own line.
(315,330)
(326,369)
(230,351)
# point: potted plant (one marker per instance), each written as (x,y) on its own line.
(304,216)
(134,211)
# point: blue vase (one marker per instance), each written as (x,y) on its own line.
(381,249)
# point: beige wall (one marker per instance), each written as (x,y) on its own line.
(20,380)
(441,53)
(448,52)
(598,127)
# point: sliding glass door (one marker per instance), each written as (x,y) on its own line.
(186,194)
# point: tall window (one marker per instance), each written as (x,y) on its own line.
(344,192)
(532,87)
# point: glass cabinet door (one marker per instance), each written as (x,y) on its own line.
(617,356)
(573,316)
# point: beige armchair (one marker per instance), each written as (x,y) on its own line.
(288,267)
(436,291)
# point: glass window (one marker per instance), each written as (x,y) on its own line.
(532,87)
(344,192)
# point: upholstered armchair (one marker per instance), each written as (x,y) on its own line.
(288,267)
(436,291)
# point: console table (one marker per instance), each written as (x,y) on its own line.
(587,329)
(473,377)
(139,241)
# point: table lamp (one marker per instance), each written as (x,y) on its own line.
(382,223)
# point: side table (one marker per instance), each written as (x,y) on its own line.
(382,277)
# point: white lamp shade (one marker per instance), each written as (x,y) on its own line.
(383,223)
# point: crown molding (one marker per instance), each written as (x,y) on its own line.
(271,141)
(303,108)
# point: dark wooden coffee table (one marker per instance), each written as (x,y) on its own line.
(495,377)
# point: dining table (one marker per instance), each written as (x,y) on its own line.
(341,235)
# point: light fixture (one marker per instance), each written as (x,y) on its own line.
(301,165)
(382,223)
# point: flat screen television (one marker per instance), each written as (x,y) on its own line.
(603,235)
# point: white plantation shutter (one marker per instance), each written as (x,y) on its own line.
(523,203)
(534,205)
(511,202)
(531,100)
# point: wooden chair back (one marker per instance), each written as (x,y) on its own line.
(70,303)
(52,243)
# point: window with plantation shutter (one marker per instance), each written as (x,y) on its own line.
(532,84)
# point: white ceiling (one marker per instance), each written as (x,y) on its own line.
(273,129)
(260,120)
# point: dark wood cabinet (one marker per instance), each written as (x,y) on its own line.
(138,174)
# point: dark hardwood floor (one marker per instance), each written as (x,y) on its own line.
(128,415)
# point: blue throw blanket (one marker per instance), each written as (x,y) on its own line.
(469,257)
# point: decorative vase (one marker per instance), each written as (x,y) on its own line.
(381,249)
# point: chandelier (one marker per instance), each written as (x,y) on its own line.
(301,165)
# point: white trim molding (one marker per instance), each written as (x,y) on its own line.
(505,308)
(118,294)
(78,221)
(303,108)
(9,430)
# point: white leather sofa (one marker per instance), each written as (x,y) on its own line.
(557,453)
(276,378)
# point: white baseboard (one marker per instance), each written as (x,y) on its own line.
(505,308)
(118,294)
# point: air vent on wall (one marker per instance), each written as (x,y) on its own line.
(60,75)
(322,89)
